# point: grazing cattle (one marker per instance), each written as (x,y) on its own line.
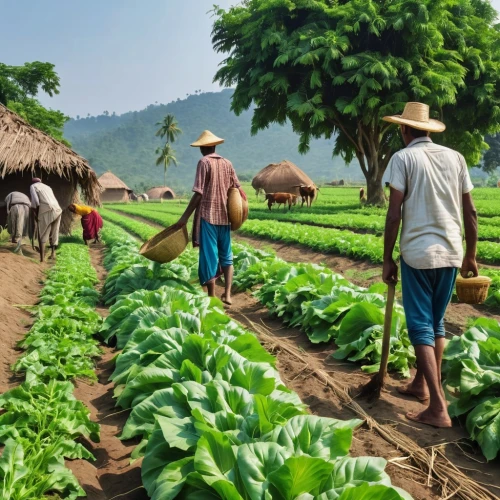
(307,193)
(281,199)
(362,196)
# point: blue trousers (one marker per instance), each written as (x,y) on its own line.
(215,251)
(426,295)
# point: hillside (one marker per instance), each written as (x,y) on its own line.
(126,144)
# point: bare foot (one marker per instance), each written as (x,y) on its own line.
(226,299)
(431,417)
(422,394)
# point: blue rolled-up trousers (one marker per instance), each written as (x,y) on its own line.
(426,295)
(215,251)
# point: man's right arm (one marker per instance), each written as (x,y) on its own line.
(392,223)
(198,188)
(469,264)
(193,205)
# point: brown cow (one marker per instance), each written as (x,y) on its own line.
(281,199)
(307,193)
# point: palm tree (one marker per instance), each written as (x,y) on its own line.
(169,128)
(167,158)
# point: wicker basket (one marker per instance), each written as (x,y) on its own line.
(237,208)
(167,245)
(472,290)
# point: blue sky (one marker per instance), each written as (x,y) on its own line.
(115,55)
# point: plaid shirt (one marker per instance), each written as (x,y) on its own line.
(214,176)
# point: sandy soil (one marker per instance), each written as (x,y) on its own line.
(21,279)
(111,475)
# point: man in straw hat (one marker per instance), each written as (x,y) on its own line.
(430,187)
(47,214)
(211,228)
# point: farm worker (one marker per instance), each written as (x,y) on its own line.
(47,214)
(91,221)
(18,206)
(211,228)
(429,188)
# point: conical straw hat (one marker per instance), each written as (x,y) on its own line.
(207,139)
(416,115)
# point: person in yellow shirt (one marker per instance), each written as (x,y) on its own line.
(91,221)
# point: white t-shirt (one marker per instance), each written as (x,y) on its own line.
(433,179)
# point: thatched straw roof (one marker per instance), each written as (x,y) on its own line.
(160,192)
(110,181)
(280,177)
(25,149)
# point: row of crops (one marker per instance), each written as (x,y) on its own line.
(42,423)
(214,418)
(328,307)
(312,229)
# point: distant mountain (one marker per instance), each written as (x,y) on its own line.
(126,144)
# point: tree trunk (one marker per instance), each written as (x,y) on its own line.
(373,162)
(375,192)
(165,177)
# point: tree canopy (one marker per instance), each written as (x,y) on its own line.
(19,86)
(336,67)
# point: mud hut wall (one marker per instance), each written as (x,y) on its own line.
(64,191)
(167,195)
(114,195)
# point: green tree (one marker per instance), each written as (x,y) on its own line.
(49,120)
(491,159)
(19,86)
(336,67)
(166,158)
(169,128)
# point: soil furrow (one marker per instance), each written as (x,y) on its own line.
(111,475)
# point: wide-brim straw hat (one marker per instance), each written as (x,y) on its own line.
(207,139)
(416,115)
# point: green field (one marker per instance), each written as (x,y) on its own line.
(336,223)
(324,304)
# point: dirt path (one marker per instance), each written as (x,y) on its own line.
(21,279)
(365,274)
(390,409)
(111,475)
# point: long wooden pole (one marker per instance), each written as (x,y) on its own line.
(386,340)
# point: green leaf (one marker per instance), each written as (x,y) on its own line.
(298,476)
(320,437)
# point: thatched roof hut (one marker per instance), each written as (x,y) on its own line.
(283,177)
(161,193)
(26,152)
(114,188)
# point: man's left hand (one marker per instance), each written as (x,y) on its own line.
(469,266)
